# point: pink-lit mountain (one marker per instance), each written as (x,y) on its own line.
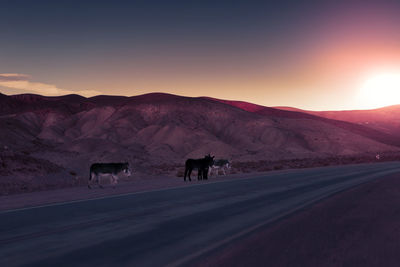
(386,119)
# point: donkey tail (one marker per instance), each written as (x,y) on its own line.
(90,178)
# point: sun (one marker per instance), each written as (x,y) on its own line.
(381,90)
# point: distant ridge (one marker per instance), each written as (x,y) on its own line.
(381,124)
(177,106)
(337,118)
(385,119)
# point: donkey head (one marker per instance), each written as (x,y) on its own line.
(126,169)
(209,160)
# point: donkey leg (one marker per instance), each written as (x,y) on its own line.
(114,180)
(98,181)
(205,174)
(186,172)
(90,180)
(190,172)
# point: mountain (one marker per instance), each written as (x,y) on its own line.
(71,132)
(384,126)
(386,119)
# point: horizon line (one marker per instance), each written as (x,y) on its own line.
(280,107)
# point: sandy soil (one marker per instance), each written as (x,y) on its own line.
(359,227)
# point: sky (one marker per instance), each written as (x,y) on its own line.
(316,55)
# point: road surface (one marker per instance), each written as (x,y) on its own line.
(170,227)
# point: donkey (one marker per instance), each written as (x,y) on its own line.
(113,169)
(201,165)
(222,164)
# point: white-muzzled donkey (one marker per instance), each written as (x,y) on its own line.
(113,169)
(219,164)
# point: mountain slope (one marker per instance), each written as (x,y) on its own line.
(383,128)
(386,119)
(149,130)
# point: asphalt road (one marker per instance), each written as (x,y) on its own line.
(167,227)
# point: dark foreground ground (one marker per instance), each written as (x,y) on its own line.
(359,227)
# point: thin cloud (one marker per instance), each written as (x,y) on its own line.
(22,82)
(6,77)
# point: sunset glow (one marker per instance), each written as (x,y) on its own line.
(381,90)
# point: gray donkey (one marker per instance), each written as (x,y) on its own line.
(113,169)
(219,164)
